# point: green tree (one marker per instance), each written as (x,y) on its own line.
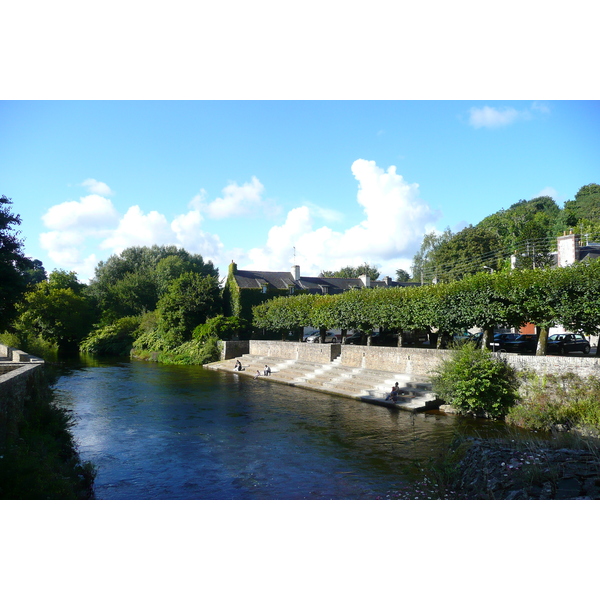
(424,267)
(132,282)
(353,272)
(14,265)
(402,276)
(57,315)
(475,382)
(36,274)
(190,301)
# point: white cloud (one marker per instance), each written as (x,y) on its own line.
(139,229)
(237,201)
(90,213)
(97,187)
(493,118)
(395,221)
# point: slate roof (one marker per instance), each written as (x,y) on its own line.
(282,280)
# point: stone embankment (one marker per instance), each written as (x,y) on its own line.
(17,372)
(495,469)
(333,377)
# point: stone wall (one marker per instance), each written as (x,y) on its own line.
(234,349)
(414,361)
(318,353)
(15,388)
(584,366)
(18,373)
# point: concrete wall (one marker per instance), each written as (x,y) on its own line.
(584,366)
(414,361)
(15,388)
(318,353)
(234,349)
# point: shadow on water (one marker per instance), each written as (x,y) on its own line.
(180,432)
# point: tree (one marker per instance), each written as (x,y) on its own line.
(13,264)
(402,276)
(190,301)
(132,283)
(58,315)
(424,262)
(353,272)
(36,274)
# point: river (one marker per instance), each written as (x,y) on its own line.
(176,432)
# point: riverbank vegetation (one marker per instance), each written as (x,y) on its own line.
(39,459)
(475,382)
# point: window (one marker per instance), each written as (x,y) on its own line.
(291,289)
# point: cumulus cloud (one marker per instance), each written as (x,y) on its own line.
(97,187)
(90,213)
(75,226)
(237,201)
(395,220)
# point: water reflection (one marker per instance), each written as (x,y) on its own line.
(173,432)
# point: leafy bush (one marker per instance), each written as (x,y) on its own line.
(192,353)
(558,401)
(475,382)
(115,339)
(220,327)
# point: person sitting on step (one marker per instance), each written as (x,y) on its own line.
(394,393)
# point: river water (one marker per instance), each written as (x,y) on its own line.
(176,432)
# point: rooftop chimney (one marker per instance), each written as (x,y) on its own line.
(366,280)
(296,272)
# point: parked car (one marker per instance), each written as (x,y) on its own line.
(500,339)
(329,337)
(563,343)
(356,338)
(526,342)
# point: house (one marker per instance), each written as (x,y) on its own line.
(571,250)
(245,289)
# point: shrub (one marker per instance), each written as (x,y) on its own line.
(115,339)
(476,382)
(220,327)
(558,401)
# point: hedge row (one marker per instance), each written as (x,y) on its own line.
(568,296)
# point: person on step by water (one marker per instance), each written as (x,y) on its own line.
(257,374)
(267,370)
(238,366)
(394,393)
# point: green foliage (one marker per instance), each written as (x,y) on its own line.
(219,327)
(402,276)
(190,301)
(558,402)
(60,279)
(14,266)
(57,315)
(132,283)
(40,462)
(474,381)
(193,352)
(115,339)
(30,343)
(353,272)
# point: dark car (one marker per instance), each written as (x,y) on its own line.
(525,342)
(563,343)
(356,338)
(500,339)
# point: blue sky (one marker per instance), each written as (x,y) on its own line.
(342,182)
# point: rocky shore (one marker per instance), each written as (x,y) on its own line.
(492,469)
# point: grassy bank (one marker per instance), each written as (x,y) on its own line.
(39,461)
